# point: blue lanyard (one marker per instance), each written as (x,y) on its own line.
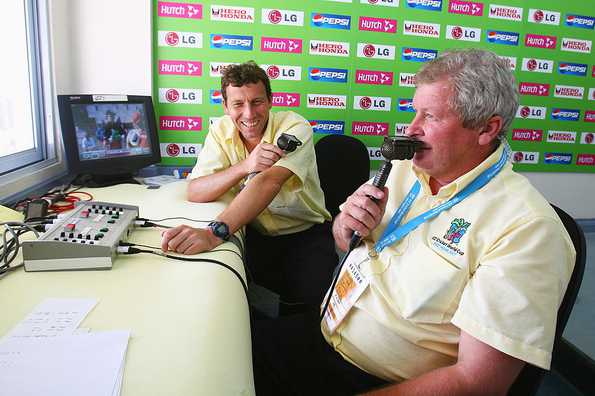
(395,231)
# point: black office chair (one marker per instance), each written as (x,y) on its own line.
(343,166)
(530,378)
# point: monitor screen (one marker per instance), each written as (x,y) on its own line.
(108,138)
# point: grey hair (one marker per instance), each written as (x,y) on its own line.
(483,86)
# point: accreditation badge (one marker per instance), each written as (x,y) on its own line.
(350,285)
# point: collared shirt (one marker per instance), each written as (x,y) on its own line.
(496,265)
(300,203)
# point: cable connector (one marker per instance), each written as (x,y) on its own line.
(129,250)
(144,223)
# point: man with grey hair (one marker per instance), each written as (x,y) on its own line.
(462,267)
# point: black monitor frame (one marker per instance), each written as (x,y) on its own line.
(110,170)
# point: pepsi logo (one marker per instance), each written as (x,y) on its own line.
(457,32)
(273,71)
(492,35)
(317,19)
(369,50)
(172,95)
(570,19)
(172,150)
(532,64)
(538,16)
(315,74)
(313,124)
(556,113)
(217,40)
(407,52)
(172,38)
(275,16)
(216,95)
(365,102)
(525,111)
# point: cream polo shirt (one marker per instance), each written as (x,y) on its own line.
(300,203)
(500,276)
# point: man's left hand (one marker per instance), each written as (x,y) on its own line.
(187,240)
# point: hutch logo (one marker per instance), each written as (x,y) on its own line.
(216,68)
(504,12)
(378,24)
(375,51)
(328,127)
(561,137)
(535,89)
(527,135)
(406,79)
(324,74)
(511,61)
(373,103)
(330,21)
(232,14)
(576,69)
(317,101)
(329,48)
(180,123)
(274,44)
(405,104)
(282,17)
(587,138)
(369,128)
(500,37)
(576,45)
(545,17)
(179,10)
(286,99)
(401,129)
(386,3)
(465,7)
(589,116)
(418,54)
(283,72)
(531,112)
(537,65)
(585,159)
(413,28)
(557,158)
(180,95)
(525,157)
(179,39)
(215,97)
(231,42)
(180,68)
(180,149)
(430,5)
(565,114)
(579,21)
(569,91)
(463,33)
(373,77)
(536,40)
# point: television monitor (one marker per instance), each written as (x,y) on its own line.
(108,138)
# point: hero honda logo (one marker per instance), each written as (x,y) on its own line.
(406,79)
(319,101)
(561,137)
(283,72)
(385,3)
(531,112)
(180,95)
(576,69)
(539,41)
(180,123)
(282,17)
(500,37)
(545,17)
(180,68)
(537,65)
(430,5)
(231,42)
(463,33)
(329,48)
(535,89)
(465,7)
(504,12)
(373,77)
(405,104)
(413,28)
(324,74)
(232,14)
(375,51)
(378,24)
(418,54)
(576,45)
(286,99)
(569,91)
(373,103)
(527,135)
(557,158)
(565,114)
(525,157)
(179,39)
(369,128)
(328,127)
(579,21)
(179,10)
(217,68)
(275,44)
(330,21)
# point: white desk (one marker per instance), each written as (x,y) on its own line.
(189,320)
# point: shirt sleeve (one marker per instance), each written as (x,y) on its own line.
(302,159)
(511,301)
(211,158)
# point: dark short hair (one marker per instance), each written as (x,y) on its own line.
(243,74)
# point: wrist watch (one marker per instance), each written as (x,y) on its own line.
(219,229)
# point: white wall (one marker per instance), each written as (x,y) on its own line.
(104,46)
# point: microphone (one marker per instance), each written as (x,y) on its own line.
(397,148)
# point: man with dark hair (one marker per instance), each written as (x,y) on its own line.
(461,271)
(289,244)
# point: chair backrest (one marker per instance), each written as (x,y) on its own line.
(528,381)
(343,166)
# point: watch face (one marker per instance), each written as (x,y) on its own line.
(220,229)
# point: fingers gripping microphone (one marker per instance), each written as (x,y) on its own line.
(397,148)
(285,142)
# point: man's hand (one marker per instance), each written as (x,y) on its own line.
(360,213)
(263,157)
(187,240)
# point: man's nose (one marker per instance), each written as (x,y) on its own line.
(414,127)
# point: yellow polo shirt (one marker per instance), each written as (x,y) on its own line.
(502,282)
(300,203)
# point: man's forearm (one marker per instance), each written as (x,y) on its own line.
(210,188)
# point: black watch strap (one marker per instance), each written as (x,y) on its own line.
(219,229)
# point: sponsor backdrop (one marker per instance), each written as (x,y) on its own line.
(348,67)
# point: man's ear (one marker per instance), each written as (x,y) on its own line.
(491,130)
(224,104)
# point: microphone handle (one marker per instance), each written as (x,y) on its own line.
(379,181)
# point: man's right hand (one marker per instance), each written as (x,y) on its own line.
(262,157)
(360,213)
